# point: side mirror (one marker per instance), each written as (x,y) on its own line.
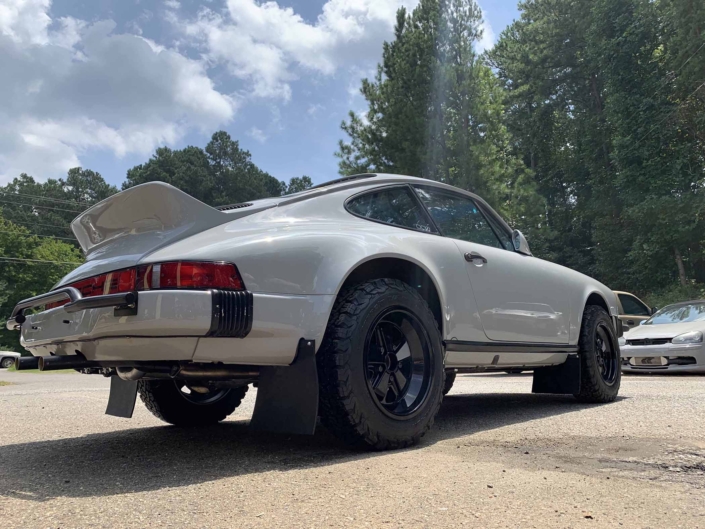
(519,242)
(654,310)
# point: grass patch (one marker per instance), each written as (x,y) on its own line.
(37,372)
(5,383)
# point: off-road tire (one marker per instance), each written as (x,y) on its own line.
(450,379)
(346,405)
(7,362)
(163,399)
(593,388)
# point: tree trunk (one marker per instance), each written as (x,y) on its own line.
(681,268)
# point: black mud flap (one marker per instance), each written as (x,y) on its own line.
(123,394)
(287,397)
(563,379)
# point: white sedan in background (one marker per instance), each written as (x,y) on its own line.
(670,341)
(7,358)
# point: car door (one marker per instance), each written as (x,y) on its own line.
(519,298)
(632,311)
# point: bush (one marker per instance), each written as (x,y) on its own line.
(675,293)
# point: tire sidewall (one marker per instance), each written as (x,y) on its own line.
(375,418)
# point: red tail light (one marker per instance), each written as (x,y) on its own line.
(172,275)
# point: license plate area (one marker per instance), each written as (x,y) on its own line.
(649,361)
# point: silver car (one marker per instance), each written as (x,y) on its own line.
(669,341)
(7,358)
(357,301)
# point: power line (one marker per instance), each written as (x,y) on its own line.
(36,261)
(50,199)
(43,207)
(37,235)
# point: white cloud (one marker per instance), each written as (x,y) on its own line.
(269,46)
(172,4)
(488,37)
(314,109)
(81,87)
(257,134)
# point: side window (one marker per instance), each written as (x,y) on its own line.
(392,205)
(458,217)
(504,238)
(633,306)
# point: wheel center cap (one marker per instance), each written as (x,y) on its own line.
(391,362)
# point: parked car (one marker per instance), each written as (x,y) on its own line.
(632,311)
(7,358)
(669,341)
(357,294)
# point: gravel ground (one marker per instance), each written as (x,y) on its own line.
(497,457)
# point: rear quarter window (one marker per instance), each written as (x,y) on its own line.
(395,206)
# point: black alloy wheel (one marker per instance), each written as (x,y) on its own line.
(606,355)
(397,362)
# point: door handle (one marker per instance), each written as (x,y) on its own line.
(475,258)
(630,322)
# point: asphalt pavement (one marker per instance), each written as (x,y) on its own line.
(498,456)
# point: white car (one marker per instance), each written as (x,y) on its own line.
(7,358)
(669,341)
(359,294)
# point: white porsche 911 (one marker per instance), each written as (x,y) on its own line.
(357,301)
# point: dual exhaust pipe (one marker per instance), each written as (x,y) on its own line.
(136,371)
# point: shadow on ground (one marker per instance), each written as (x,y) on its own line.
(155,458)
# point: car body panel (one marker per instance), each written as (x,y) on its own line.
(295,254)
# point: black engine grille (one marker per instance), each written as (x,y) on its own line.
(649,341)
(232,314)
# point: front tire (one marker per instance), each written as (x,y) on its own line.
(174,402)
(380,366)
(600,362)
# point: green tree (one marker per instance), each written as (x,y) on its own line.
(222,173)
(298,184)
(36,264)
(47,208)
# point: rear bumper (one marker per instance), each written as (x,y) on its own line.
(199,326)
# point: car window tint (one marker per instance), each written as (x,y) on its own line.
(394,205)
(458,217)
(633,306)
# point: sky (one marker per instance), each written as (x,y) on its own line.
(102,83)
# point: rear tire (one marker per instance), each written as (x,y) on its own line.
(600,362)
(166,400)
(380,366)
(7,362)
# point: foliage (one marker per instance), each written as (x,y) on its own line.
(220,174)
(48,208)
(29,277)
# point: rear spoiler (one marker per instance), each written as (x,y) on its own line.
(143,218)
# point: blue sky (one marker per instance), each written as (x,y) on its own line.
(101,83)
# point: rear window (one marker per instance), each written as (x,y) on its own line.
(392,205)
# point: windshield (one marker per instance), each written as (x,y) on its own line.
(678,314)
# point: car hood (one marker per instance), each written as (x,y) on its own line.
(664,330)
